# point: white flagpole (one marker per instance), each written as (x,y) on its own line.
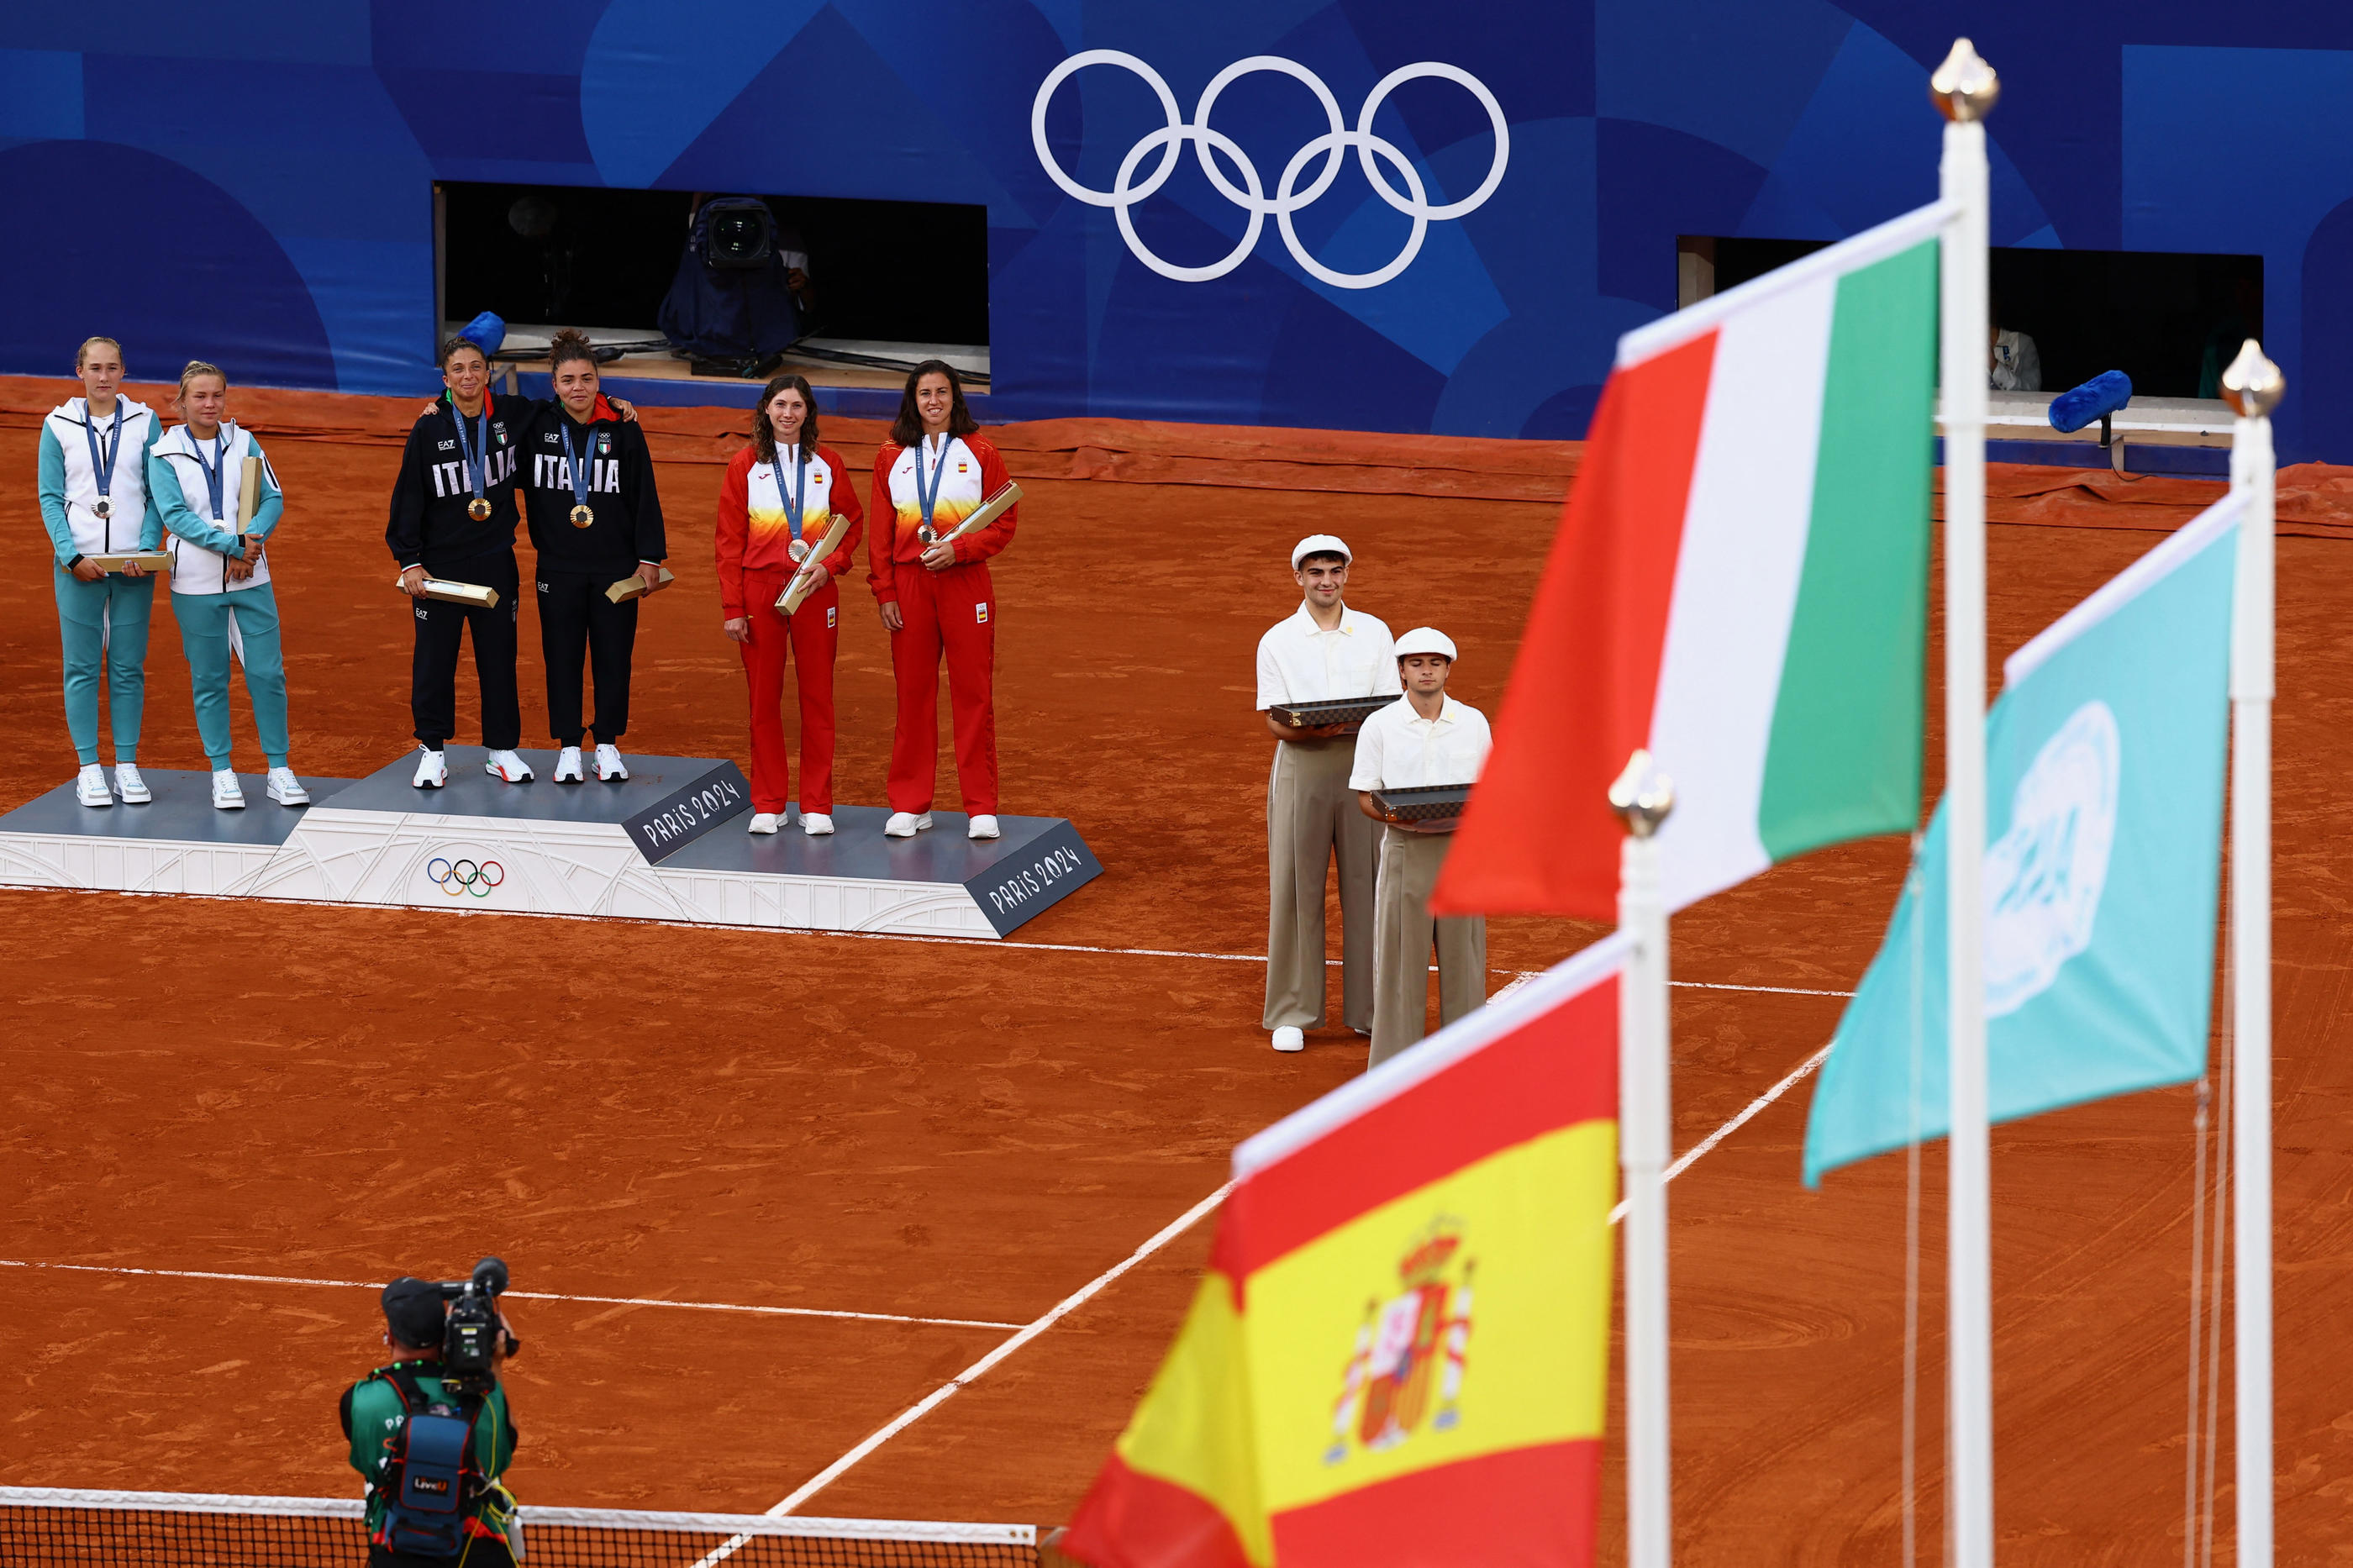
(1964,89)
(1645,1136)
(2254,386)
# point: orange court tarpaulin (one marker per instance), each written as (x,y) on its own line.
(1335,1397)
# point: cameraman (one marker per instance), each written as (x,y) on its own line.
(377,1412)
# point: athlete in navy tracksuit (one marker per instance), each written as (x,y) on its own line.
(453,518)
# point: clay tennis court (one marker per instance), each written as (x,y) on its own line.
(974,1131)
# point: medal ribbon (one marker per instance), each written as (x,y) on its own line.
(215,478)
(928,499)
(793,496)
(101,468)
(583,478)
(478,470)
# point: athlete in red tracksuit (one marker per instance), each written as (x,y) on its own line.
(935,471)
(781,491)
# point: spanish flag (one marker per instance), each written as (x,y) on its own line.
(1399,1352)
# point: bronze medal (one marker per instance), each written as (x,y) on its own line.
(479,509)
(798,550)
(582,516)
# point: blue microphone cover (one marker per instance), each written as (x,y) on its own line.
(2105,394)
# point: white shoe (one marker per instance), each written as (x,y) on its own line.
(129,785)
(1288,1039)
(609,765)
(815,824)
(226,795)
(286,789)
(905,825)
(91,789)
(510,766)
(764,822)
(982,827)
(567,766)
(432,770)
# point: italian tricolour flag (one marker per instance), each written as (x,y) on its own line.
(1739,585)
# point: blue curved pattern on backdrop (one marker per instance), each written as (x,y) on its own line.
(258,192)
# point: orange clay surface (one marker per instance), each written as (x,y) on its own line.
(971,1131)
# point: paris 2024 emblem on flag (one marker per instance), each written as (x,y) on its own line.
(1328,1403)
(2105,761)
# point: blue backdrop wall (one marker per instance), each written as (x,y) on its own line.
(251,183)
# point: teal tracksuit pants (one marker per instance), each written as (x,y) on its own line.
(104,625)
(204,633)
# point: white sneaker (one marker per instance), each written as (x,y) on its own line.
(432,770)
(286,789)
(609,765)
(510,766)
(1288,1039)
(764,822)
(905,825)
(91,789)
(815,824)
(129,785)
(567,766)
(226,795)
(982,827)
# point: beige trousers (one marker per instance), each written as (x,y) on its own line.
(1405,932)
(1311,814)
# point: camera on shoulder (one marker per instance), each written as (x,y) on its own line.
(471,1333)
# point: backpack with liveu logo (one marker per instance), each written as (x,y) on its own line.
(431,1476)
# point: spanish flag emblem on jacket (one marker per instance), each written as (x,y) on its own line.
(1399,1354)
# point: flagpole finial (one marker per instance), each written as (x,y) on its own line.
(2253,384)
(1642,796)
(1964,87)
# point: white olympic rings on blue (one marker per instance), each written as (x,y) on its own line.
(1251,196)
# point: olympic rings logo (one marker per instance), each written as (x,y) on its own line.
(459,877)
(1251,196)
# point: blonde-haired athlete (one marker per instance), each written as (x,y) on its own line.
(220,578)
(94,502)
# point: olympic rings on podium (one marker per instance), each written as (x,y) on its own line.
(1214,147)
(459,877)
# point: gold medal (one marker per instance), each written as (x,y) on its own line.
(583,516)
(479,509)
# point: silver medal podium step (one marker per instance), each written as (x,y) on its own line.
(667,844)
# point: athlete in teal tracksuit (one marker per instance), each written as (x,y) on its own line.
(94,501)
(221,594)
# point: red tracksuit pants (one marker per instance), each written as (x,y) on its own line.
(811,636)
(952,612)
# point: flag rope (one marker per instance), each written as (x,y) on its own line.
(2191,1417)
(1912,1237)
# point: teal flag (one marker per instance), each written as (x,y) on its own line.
(2105,762)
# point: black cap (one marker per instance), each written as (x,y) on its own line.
(412,1310)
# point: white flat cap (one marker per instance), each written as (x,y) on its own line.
(1318,544)
(1425,639)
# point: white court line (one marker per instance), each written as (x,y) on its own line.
(1684,1162)
(519,1295)
(930,940)
(1061,1310)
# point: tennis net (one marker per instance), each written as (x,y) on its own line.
(57,1525)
